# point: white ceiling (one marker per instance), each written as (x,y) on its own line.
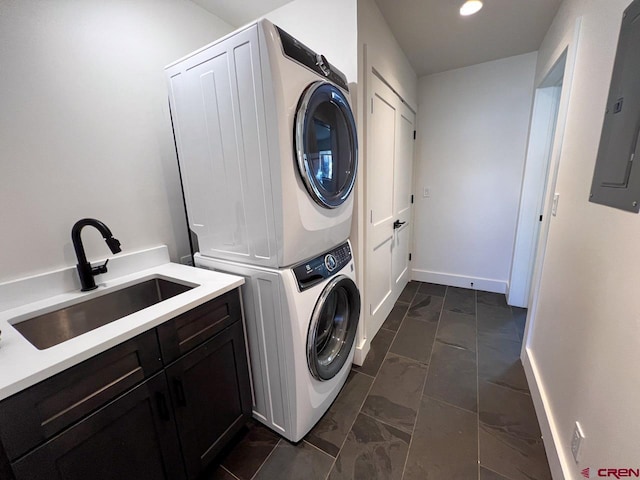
(436,38)
(432,33)
(240,12)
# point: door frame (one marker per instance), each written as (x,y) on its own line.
(544,120)
(552,177)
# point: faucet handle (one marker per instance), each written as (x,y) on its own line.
(100,268)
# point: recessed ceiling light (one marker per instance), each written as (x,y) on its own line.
(470,7)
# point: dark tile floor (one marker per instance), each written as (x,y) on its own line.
(441,395)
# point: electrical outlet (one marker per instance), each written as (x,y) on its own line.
(576,441)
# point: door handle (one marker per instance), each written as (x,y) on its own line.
(163,409)
(179,389)
(397,224)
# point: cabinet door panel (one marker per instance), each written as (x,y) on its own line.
(211,394)
(35,415)
(5,468)
(133,437)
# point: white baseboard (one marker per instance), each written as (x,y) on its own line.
(361,352)
(558,462)
(476,283)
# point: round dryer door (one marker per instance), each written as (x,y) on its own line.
(326,144)
(332,331)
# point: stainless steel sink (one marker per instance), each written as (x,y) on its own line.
(52,328)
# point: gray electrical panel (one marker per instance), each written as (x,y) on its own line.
(616,179)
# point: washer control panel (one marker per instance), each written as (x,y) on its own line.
(314,271)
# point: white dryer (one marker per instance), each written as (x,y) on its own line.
(267,147)
(301,324)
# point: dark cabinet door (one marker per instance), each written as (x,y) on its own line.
(211,395)
(131,438)
(39,413)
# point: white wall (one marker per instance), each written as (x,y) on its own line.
(327,27)
(471,142)
(384,53)
(585,338)
(84,125)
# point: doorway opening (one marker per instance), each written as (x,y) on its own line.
(533,198)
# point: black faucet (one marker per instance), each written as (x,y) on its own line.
(85,270)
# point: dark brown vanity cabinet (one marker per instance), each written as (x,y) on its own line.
(211,399)
(158,406)
(131,438)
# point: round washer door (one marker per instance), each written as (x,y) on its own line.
(326,144)
(332,330)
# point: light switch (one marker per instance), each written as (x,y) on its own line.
(554,205)
(426,193)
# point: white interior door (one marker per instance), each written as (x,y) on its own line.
(402,200)
(389,166)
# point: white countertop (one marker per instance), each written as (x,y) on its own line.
(23,365)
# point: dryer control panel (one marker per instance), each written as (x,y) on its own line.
(304,55)
(314,271)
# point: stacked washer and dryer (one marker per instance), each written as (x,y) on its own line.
(267,151)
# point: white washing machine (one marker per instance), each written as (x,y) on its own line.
(301,324)
(267,147)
